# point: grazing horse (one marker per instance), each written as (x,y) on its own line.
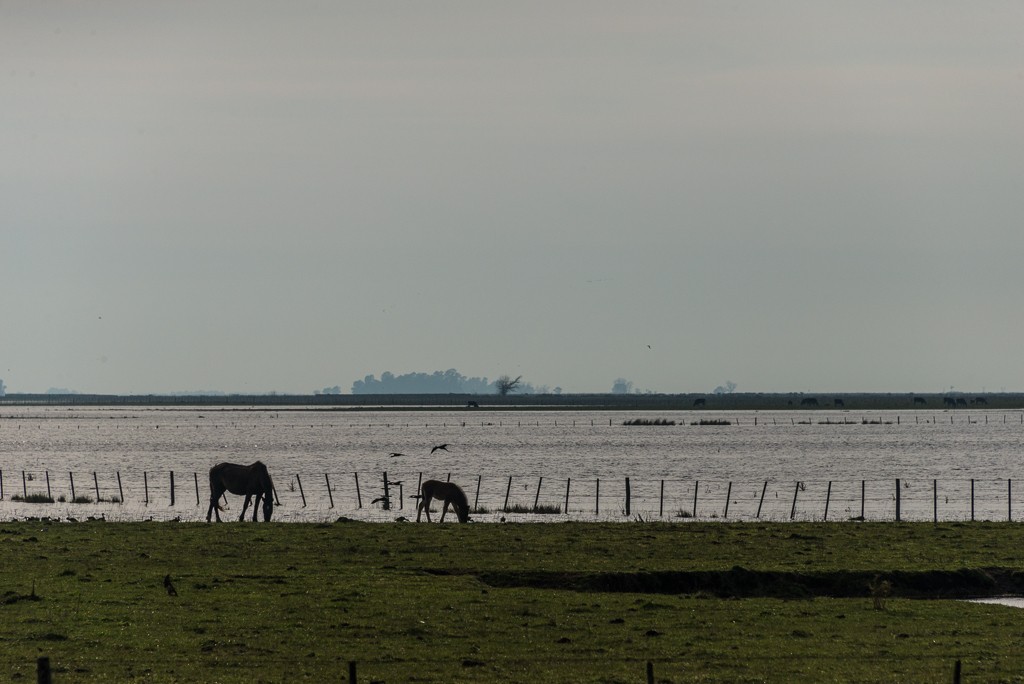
(250,480)
(449,492)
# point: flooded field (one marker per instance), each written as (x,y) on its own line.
(953,465)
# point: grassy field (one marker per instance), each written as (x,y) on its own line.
(509,603)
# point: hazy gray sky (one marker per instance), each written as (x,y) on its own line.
(253,196)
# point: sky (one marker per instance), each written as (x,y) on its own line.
(793,196)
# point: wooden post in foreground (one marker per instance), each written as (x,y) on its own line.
(43,675)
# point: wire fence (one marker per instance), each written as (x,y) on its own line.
(383,496)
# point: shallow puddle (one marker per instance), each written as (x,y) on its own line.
(1012,601)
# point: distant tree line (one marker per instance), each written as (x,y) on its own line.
(438,382)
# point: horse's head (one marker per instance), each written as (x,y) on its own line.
(462,510)
(268,506)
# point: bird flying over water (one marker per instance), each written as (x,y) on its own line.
(443,447)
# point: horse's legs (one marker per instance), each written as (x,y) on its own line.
(214,508)
(248,498)
(424,506)
(256,506)
(444,510)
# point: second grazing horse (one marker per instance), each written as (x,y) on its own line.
(448,492)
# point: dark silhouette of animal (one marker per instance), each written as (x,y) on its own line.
(809,401)
(838,402)
(472,404)
(699,402)
(248,480)
(171,591)
(442,447)
(394,454)
(920,400)
(448,492)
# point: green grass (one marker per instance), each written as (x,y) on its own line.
(502,603)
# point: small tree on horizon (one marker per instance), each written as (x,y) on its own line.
(506,385)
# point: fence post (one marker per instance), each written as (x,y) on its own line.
(387,493)
(650,672)
(862,489)
(43,675)
(120,489)
(476,499)
(508,490)
(567,495)
(536,499)
(761,502)
(897,499)
(935,501)
(330,496)
(145,485)
(627,496)
(728,495)
(597,498)
(172,488)
(1009,499)
(195,476)
(351,672)
(972,498)
(792,511)
(49,494)
(696,488)
(359,497)
(1,484)
(96,482)
(71,478)
(956,672)
(301,493)
(661,500)
(828,497)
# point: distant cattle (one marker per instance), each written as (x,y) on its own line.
(919,400)
(949,401)
(472,404)
(699,402)
(979,400)
(808,401)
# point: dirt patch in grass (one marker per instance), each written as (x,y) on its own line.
(743,583)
